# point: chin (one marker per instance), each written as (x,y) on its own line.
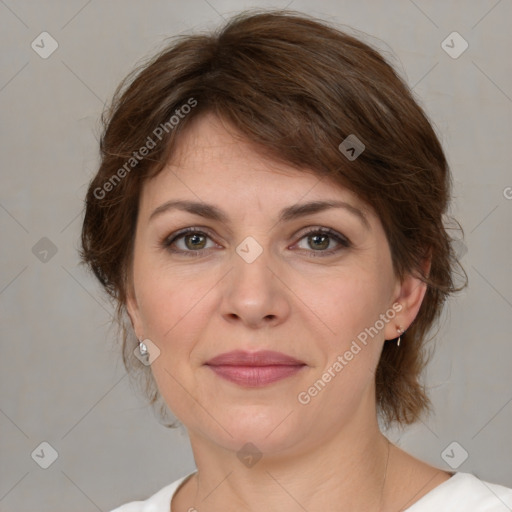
(263,427)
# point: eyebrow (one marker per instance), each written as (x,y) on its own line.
(210,211)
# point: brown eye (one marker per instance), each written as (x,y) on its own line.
(194,241)
(188,241)
(321,239)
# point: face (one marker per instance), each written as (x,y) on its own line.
(317,287)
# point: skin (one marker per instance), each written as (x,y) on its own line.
(291,299)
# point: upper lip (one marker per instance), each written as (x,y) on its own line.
(260,358)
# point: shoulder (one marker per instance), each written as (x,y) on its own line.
(158,502)
(464,491)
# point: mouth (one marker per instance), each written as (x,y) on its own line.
(254,369)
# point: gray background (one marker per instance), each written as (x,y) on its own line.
(62,379)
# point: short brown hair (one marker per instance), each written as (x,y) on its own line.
(295,88)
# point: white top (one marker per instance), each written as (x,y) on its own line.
(462,492)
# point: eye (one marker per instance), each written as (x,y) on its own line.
(189,241)
(193,242)
(320,239)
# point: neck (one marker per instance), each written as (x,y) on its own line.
(348,468)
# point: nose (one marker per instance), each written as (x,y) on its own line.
(254,295)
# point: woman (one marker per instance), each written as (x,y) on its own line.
(269,214)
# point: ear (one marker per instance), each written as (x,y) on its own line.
(132,308)
(409,294)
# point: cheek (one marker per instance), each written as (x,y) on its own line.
(352,309)
(177,303)
(172,303)
(353,302)
(351,346)
(172,307)
(164,309)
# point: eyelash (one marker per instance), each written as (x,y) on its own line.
(169,240)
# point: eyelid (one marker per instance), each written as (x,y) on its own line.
(325,230)
(180,233)
(342,240)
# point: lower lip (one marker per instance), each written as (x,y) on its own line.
(255,376)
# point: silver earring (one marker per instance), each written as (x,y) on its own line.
(143,349)
(400,332)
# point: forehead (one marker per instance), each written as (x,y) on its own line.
(214,163)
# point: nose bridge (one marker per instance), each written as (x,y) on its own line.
(251,274)
(253,293)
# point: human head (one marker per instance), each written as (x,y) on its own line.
(295,89)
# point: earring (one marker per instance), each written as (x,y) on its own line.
(400,332)
(143,349)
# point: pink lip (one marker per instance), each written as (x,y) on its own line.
(254,369)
